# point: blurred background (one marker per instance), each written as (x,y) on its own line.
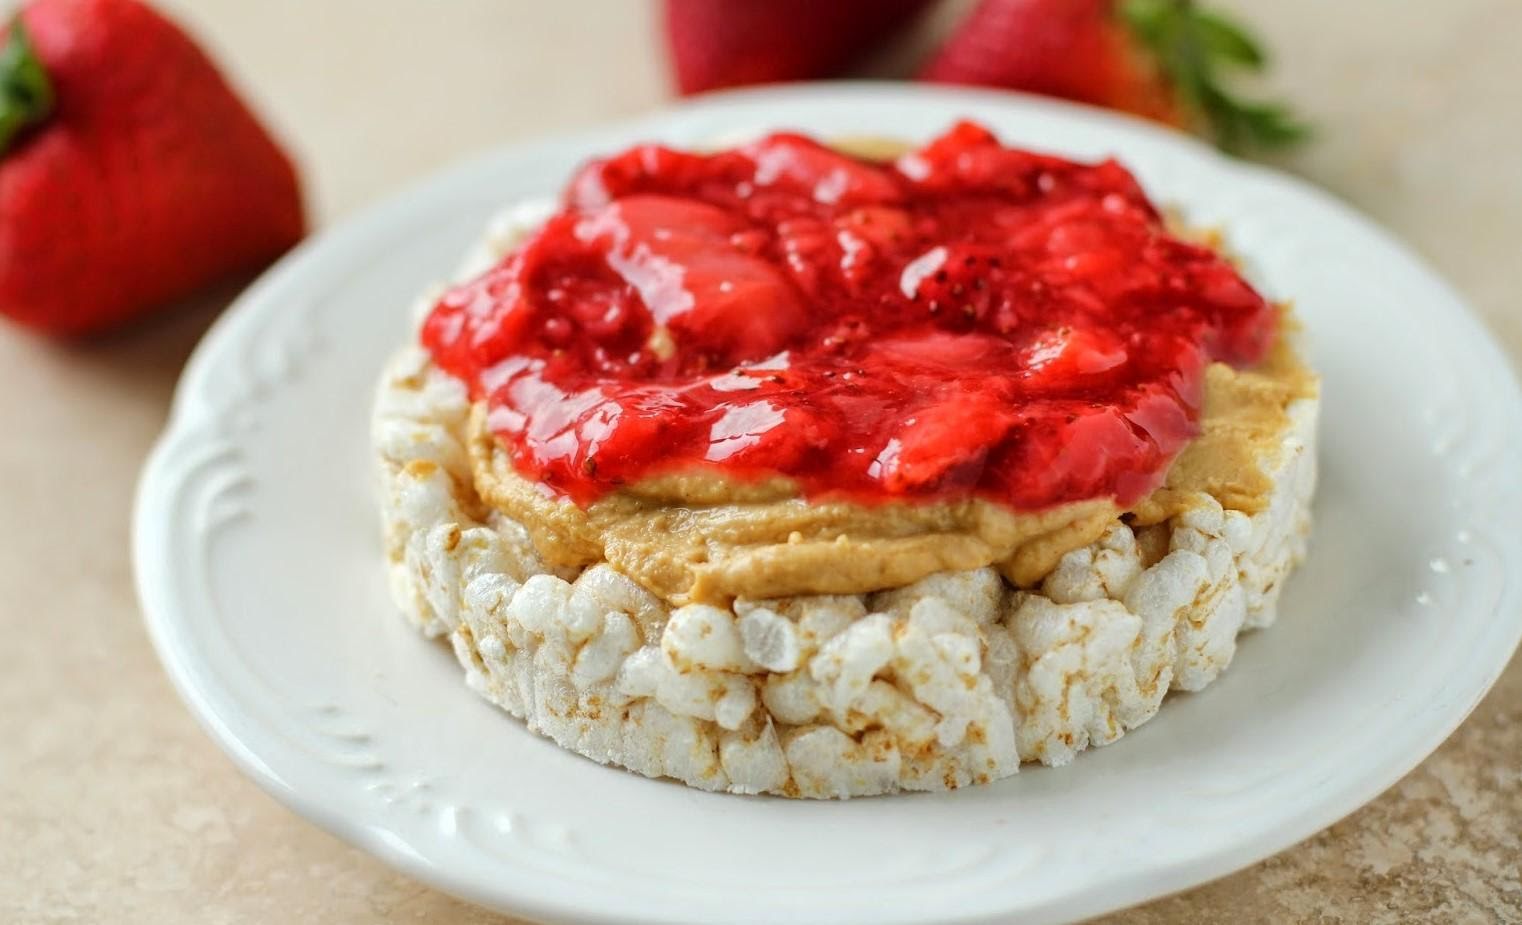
(1414,103)
(114,807)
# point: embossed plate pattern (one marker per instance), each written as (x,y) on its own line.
(261,579)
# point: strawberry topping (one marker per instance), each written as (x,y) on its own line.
(969,321)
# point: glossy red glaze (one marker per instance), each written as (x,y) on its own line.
(971,320)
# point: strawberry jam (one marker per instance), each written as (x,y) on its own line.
(968,321)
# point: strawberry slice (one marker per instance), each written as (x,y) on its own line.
(945,443)
(1067,356)
(728,43)
(764,436)
(679,255)
(792,163)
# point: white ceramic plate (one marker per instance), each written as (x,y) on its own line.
(260,573)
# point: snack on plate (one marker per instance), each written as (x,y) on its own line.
(783,469)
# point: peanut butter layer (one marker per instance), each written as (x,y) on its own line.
(701,537)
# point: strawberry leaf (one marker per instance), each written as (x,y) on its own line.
(1194,47)
(26,94)
(1147,19)
(1226,43)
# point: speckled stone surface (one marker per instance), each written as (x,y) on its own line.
(115,808)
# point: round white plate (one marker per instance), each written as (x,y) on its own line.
(260,572)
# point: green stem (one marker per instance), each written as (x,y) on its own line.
(26,93)
(1196,48)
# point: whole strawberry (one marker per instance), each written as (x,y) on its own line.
(726,43)
(1163,59)
(130,172)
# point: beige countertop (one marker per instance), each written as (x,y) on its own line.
(115,808)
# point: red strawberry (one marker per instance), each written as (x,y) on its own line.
(130,173)
(726,43)
(1163,59)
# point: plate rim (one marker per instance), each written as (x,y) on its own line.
(148,532)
